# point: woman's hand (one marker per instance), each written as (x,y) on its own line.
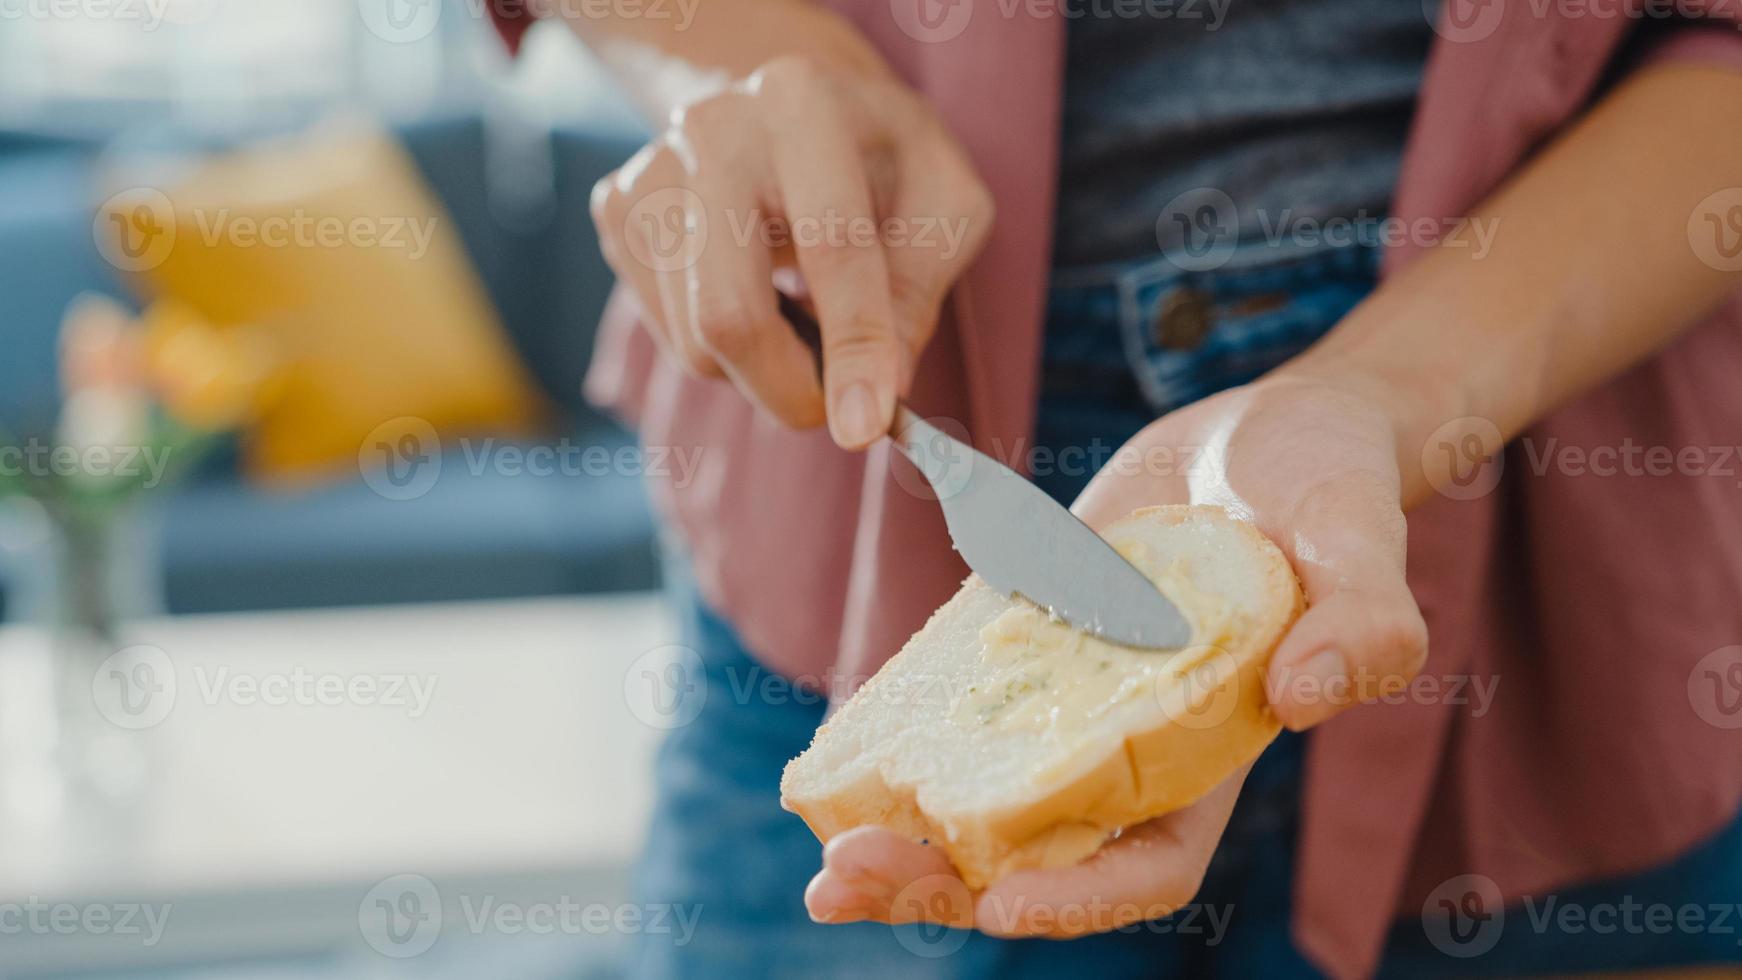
(1314,465)
(844,177)
(1148,873)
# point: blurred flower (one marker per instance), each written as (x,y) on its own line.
(208,377)
(99,345)
(114,419)
(105,400)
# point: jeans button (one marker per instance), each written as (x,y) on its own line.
(1184,319)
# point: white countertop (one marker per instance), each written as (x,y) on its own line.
(523,756)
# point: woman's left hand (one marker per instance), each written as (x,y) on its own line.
(1315,466)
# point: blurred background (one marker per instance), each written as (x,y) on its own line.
(323,595)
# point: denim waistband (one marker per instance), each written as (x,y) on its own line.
(1168,332)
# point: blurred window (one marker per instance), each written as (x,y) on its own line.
(233,59)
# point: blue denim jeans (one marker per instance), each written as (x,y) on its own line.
(1123,346)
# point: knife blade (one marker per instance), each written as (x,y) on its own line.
(1019,540)
(1022,542)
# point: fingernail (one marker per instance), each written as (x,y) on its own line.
(853,420)
(840,916)
(1321,686)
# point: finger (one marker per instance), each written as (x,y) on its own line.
(733,317)
(938,222)
(609,209)
(874,873)
(826,198)
(1149,872)
(1362,635)
(640,216)
(729,287)
(672,288)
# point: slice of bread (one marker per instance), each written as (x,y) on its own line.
(1016,742)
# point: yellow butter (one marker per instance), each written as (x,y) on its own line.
(1051,680)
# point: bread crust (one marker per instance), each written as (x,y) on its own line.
(1149,773)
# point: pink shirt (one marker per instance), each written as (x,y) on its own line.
(1595,603)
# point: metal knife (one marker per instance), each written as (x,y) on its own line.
(1023,542)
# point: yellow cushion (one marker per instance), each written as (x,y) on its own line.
(330,246)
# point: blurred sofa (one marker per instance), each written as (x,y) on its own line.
(227,545)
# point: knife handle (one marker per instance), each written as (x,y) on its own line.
(803,324)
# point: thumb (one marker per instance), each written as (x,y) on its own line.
(1362,635)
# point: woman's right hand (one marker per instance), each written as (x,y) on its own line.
(844,177)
